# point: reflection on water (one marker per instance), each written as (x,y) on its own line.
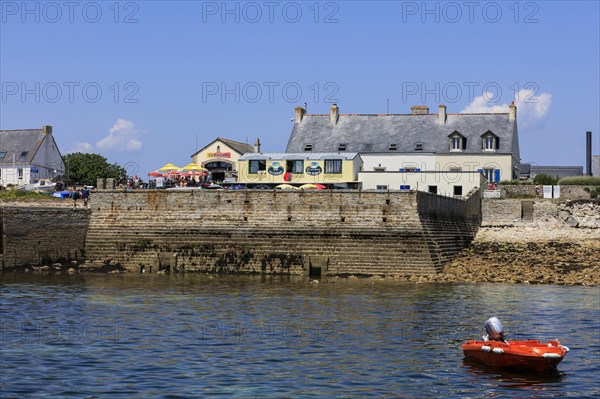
(202,336)
(512,379)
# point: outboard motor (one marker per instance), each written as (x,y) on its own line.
(494,329)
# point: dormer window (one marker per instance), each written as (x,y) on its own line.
(368,146)
(24,154)
(342,147)
(457,142)
(393,147)
(308,147)
(419,147)
(490,141)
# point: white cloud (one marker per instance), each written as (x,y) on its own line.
(532,109)
(122,136)
(84,147)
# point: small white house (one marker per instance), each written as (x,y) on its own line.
(28,156)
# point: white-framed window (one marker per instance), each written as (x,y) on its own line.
(490,142)
(458,191)
(20,173)
(489,174)
(456,143)
(382,187)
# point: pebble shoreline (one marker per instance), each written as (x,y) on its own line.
(525,255)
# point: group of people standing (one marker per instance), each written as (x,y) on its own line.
(80,194)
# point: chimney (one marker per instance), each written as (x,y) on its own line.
(257,145)
(47,129)
(588,153)
(334,114)
(420,110)
(512,112)
(442,115)
(299,114)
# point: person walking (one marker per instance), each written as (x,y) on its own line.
(85,194)
(74,197)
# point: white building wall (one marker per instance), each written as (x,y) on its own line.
(474,162)
(393,162)
(440,162)
(444,182)
(10,174)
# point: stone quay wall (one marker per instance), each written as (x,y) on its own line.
(279,232)
(40,235)
(547,213)
(537,191)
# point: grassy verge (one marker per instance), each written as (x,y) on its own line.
(580,181)
(22,195)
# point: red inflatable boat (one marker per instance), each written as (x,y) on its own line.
(530,355)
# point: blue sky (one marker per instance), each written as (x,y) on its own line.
(141,82)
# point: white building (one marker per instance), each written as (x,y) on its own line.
(28,156)
(392,146)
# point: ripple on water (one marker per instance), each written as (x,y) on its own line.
(198,336)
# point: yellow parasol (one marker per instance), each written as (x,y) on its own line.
(287,187)
(310,186)
(194,168)
(169,167)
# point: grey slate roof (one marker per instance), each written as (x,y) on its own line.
(15,142)
(374,133)
(297,156)
(241,148)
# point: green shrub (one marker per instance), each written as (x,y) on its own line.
(594,192)
(543,179)
(515,182)
(580,181)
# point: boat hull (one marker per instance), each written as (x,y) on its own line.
(520,355)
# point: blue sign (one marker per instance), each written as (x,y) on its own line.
(275,169)
(313,169)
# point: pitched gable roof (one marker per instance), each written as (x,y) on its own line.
(241,148)
(17,142)
(373,133)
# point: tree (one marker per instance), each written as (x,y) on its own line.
(85,169)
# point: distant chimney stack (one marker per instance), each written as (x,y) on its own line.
(299,114)
(442,115)
(588,153)
(334,114)
(420,110)
(47,129)
(257,145)
(512,112)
